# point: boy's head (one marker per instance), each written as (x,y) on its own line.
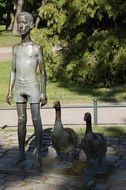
(25,22)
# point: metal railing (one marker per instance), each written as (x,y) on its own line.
(114,105)
(94,108)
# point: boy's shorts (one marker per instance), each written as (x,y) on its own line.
(27,92)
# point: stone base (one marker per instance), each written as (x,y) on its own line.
(102,176)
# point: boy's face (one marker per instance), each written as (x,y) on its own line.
(24,25)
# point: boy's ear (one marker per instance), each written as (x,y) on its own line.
(31,25)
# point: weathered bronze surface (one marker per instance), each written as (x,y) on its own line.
(94,146)
(27,56)
(64,140)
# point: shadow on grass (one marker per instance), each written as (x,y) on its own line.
(114,94)
(1,31)
(110,131)
(115,131)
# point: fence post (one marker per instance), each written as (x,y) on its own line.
(95,112)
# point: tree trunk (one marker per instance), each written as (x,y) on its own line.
(8,9)
(19,9)
(38,17)
(10,27)
(37,21)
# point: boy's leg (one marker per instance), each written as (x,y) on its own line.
(36,118)
(22,119)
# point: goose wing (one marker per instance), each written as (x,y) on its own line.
(72,136)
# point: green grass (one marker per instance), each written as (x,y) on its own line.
(6,38)
(58,91)
(66,93)
(73,94)
(5,68)
(109,131)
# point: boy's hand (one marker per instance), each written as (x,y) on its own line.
(9,98)
(43,99)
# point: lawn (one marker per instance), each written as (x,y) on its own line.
(6,38)
(110,131)
(57,91)
(66,93)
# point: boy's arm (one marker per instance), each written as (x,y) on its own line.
(43,97)
(12,79)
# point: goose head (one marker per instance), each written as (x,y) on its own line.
(88,132)
(57,105)
(87,117)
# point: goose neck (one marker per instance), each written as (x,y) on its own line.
(88,126)
(58,114)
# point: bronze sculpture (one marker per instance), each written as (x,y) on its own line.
(27,56)
(64,140)
(94,146)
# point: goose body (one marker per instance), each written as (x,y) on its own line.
(94,145)
(63,139)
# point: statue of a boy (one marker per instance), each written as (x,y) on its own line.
(27,56)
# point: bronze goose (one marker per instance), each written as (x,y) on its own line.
(93,144)
(63,139)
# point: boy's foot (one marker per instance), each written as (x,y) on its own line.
(19,160)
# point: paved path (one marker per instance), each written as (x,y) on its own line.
(70,115)
(27,177)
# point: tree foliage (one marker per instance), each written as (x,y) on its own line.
(2,9)
(84,40)
(91,36)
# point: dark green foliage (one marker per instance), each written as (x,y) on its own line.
(32,6)
(91,34)
(2,10)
